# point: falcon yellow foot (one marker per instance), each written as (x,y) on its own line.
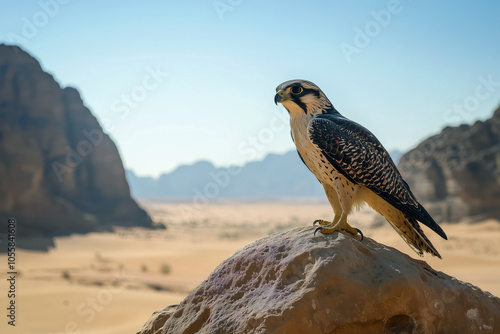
(327,227)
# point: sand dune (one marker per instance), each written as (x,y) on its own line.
(112,282)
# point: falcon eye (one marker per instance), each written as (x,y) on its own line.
(296,90)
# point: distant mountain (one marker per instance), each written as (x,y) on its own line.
(59,173)
(396,155)
(277,176)
(456,173)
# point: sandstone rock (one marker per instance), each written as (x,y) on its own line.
(294,282)
(59,173)
(456,173)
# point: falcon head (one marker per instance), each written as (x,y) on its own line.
(302,97)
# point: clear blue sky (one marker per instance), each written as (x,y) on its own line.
(397,67)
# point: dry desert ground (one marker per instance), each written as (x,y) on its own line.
(110,283)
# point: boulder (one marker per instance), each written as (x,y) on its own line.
(456,173)
(295,282)
(59,172)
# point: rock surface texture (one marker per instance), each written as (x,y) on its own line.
(456,173)
(294,282)
(59,173)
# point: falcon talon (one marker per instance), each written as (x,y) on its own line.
(359,231)
(317,221)
(316,230)
(352,165)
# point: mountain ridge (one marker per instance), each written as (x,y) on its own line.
(456,173)
(275,176)
(59,172)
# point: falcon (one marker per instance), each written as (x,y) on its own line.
(353,167)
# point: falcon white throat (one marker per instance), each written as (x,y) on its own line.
(352,165)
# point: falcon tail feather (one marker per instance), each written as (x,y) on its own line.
(413,235)
(420,213)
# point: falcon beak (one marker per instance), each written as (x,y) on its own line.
(279,97)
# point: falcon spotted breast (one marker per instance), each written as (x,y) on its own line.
(352,165)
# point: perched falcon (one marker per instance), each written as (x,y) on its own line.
(352,165)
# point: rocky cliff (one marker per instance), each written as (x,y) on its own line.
(456,173)
(295,282)
(59,173)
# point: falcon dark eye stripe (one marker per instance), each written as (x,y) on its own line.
(311,91)
(296,97)
(301,104)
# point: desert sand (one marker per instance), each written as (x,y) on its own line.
(112,282)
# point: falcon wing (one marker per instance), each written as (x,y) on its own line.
(358,155)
